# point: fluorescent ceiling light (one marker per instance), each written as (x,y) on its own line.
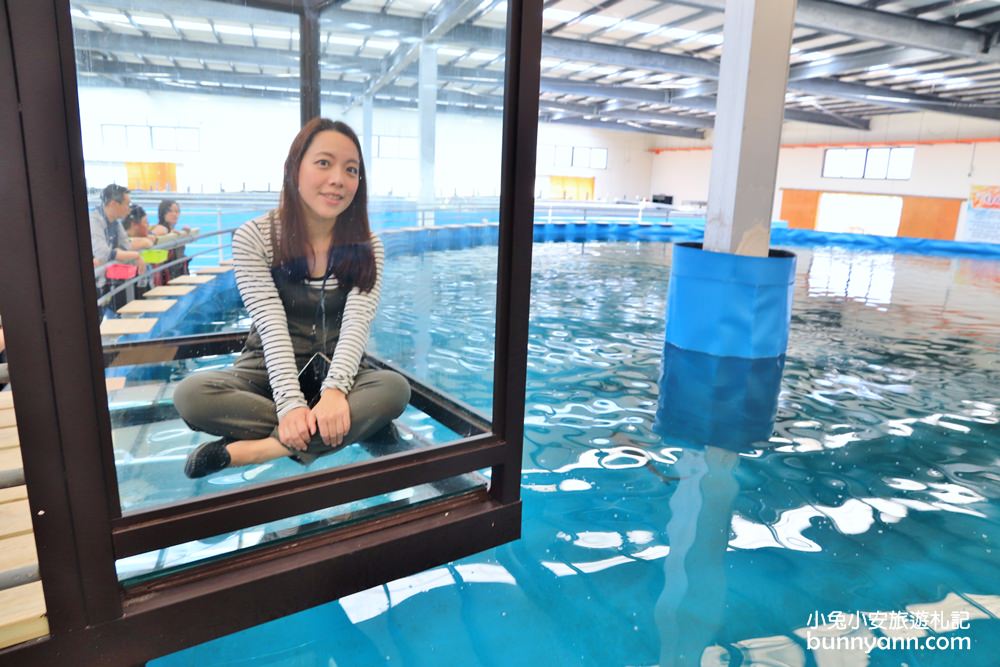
(357,26)
(452,52)
(638,26)
(108,17)
(193,25)
(346,41)
(384,44)
(710,38)
(882,98)
(559,15)
(225,29)
(599,21)
(152,21)
(271,33)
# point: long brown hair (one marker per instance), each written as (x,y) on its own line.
(351,259)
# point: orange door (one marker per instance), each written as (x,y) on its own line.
(579,188)
(155,176)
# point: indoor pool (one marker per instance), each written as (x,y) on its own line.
(872,514)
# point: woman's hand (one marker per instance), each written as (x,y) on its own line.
(296,428)
(333,415)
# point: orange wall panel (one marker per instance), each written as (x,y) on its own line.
(929,218)
(799,208)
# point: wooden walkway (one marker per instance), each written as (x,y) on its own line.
(135,314)
(22,604)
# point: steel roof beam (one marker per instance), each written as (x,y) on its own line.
(877,26)
(628,127)
(837,65)
(215,11)
(897,99)
(433,28)
(553,47)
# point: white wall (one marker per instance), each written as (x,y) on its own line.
(629,160)
(943,170)
(244,141)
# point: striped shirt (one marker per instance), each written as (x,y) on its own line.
(252,257)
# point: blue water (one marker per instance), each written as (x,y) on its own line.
(879,493)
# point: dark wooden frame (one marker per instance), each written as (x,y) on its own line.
(64,424)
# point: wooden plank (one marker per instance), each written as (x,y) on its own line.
(15,519)
(128,326)
(17,553)
(114,383)
(192,280)
(7,419)
(10,463)
(22,614)
(6,399)
(168,290)
(143,306)
(213,269)
(9,438)
(13,493)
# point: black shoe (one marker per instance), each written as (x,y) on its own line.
(207,458)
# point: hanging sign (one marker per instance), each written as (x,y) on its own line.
(982,215)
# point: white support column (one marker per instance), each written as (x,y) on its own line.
(367,132)
(427,105)
(752,82)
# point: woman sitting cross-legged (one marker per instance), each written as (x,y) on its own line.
(310,273)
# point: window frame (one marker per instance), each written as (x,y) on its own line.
(77,520)
(864,165)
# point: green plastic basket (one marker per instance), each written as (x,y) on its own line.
(153,256)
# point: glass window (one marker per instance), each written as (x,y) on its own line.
(581,157)
(164,138)
(138,137)
(844,163)
(114,137)
(162,220)
(599,158)
(877,162)
(563,156)
(166,265)
(900,163)
(545,156)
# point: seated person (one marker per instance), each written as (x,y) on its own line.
(168,213)
(310,274)
(108,239)
(136,225)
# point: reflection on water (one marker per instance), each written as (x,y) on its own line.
(879,493)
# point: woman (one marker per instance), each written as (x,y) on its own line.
(310,274)
(167,215)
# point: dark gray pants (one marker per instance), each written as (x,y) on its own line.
(236,404)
